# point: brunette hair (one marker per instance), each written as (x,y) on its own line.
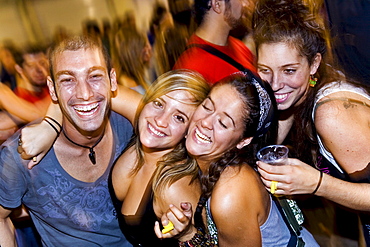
(127,49)
(245,86)
(291,22)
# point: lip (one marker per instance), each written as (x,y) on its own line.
(281,97)
(200,137)
(154,131)
(86,110)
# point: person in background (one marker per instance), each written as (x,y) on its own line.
(132,55)
(168,47)
(323,116)
(226,130)
(7,61)
(216,19)
(160,20)
(30,99)
(67,194)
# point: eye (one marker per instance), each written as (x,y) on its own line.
(180,118)
(96,77)
(263,70)
(222,124)
(66,80)
(290,71)
(157,103)
(207,105)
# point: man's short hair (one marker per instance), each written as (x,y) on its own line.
(200,9)
(27,49)
(76,43)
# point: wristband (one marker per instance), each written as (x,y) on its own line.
(319,183)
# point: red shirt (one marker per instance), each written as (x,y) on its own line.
(212,67)
(32,97)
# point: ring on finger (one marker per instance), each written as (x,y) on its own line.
(273,187)
(167,228)
(20,141)
(34,159)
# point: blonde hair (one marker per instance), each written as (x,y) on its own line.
(182,79)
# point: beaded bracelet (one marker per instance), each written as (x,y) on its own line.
(199,239)
(319,183)
(46,118)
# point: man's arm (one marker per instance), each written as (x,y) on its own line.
(7,232)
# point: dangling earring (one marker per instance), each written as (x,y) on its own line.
(312,81)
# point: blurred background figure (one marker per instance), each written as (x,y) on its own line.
(91,27)
(350,28)
(132,54)
(7,62)
(169,46)
(160,20)
(30,98)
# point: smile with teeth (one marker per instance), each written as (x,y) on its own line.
(281,96)
(201,137)
(86,109)
(154,131)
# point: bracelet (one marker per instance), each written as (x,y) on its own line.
(199,239)
(55,121)
(319,183)
(46,118)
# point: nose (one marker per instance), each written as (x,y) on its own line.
(162,119)
(207,121)
(276,82)
(83,90)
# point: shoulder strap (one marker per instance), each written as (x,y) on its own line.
(218,53)
(290,221)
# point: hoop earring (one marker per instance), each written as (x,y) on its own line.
(312,81)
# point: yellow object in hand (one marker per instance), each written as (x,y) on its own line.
(167,228)
(273,187)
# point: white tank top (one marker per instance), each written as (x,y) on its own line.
(325,91)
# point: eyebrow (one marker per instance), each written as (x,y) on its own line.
(283,66)
(69,72)
(232,120)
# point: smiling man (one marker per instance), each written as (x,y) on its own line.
(67,195)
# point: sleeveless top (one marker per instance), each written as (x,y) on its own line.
(325,91)
(274,232)
(139,228)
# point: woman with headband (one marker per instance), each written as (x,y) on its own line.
(226,130)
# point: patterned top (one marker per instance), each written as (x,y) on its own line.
(66,211)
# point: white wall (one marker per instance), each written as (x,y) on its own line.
(31,20)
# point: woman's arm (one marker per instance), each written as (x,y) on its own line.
(37,139)
(126,102)
(297,177)
(175,205)
(239,205)
(19,107)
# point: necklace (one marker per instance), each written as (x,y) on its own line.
(92,152)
